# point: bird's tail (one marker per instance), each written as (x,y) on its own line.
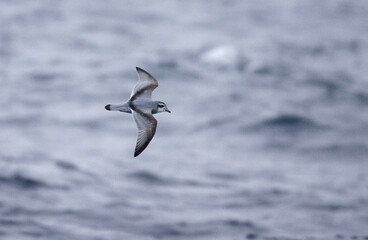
(121,108)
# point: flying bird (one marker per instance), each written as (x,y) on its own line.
(143,107)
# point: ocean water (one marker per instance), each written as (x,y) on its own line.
(268,136)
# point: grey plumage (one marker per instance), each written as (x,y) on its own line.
(141,105)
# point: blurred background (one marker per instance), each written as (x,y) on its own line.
(267,138)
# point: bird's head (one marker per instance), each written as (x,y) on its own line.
(161,107)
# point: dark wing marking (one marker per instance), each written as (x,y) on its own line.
(145,85)
(146,125)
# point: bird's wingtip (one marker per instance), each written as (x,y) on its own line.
(139,70)
(138,151)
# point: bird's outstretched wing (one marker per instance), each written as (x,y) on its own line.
(146,125)
(145,85)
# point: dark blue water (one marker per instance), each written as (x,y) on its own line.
(268,136)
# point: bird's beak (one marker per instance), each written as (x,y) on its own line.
(167,110)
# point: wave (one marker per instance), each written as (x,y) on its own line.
(148,177)
(344,149)
(286,121)
(20,181)
(66,165)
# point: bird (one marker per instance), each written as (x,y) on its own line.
(141,105)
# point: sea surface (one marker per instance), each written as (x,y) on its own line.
(268,136)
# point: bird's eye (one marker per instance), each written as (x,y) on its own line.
(161,106)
